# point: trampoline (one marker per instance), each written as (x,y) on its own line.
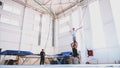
(16,52)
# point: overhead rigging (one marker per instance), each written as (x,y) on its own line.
(45,8)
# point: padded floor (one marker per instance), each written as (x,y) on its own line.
(64,66)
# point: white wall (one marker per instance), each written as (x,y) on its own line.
(110,32)
(10,32)
(110,52)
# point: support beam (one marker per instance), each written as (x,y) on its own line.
(45,8)
(69,7)
(30,6)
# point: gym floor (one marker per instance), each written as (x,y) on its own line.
(64,66)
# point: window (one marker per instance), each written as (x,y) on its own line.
(12,9)
(116,13)
(11,13)
(97,26)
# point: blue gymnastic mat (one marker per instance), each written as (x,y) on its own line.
(65,54)
(16,52)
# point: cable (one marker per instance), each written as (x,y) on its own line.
(82,17)
(71,17)
(65,15)
(82,35)
(47,36)
(48,31)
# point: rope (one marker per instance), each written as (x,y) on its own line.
(70,17)
(82,18)
(82,35)
(48,31)
(47,36)
(67,23)
(65,15)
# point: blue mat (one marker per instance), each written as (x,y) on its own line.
(16,52)
(65,54)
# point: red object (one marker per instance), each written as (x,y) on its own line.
(90,53)
(87,62)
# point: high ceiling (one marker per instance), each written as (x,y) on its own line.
(52,7)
